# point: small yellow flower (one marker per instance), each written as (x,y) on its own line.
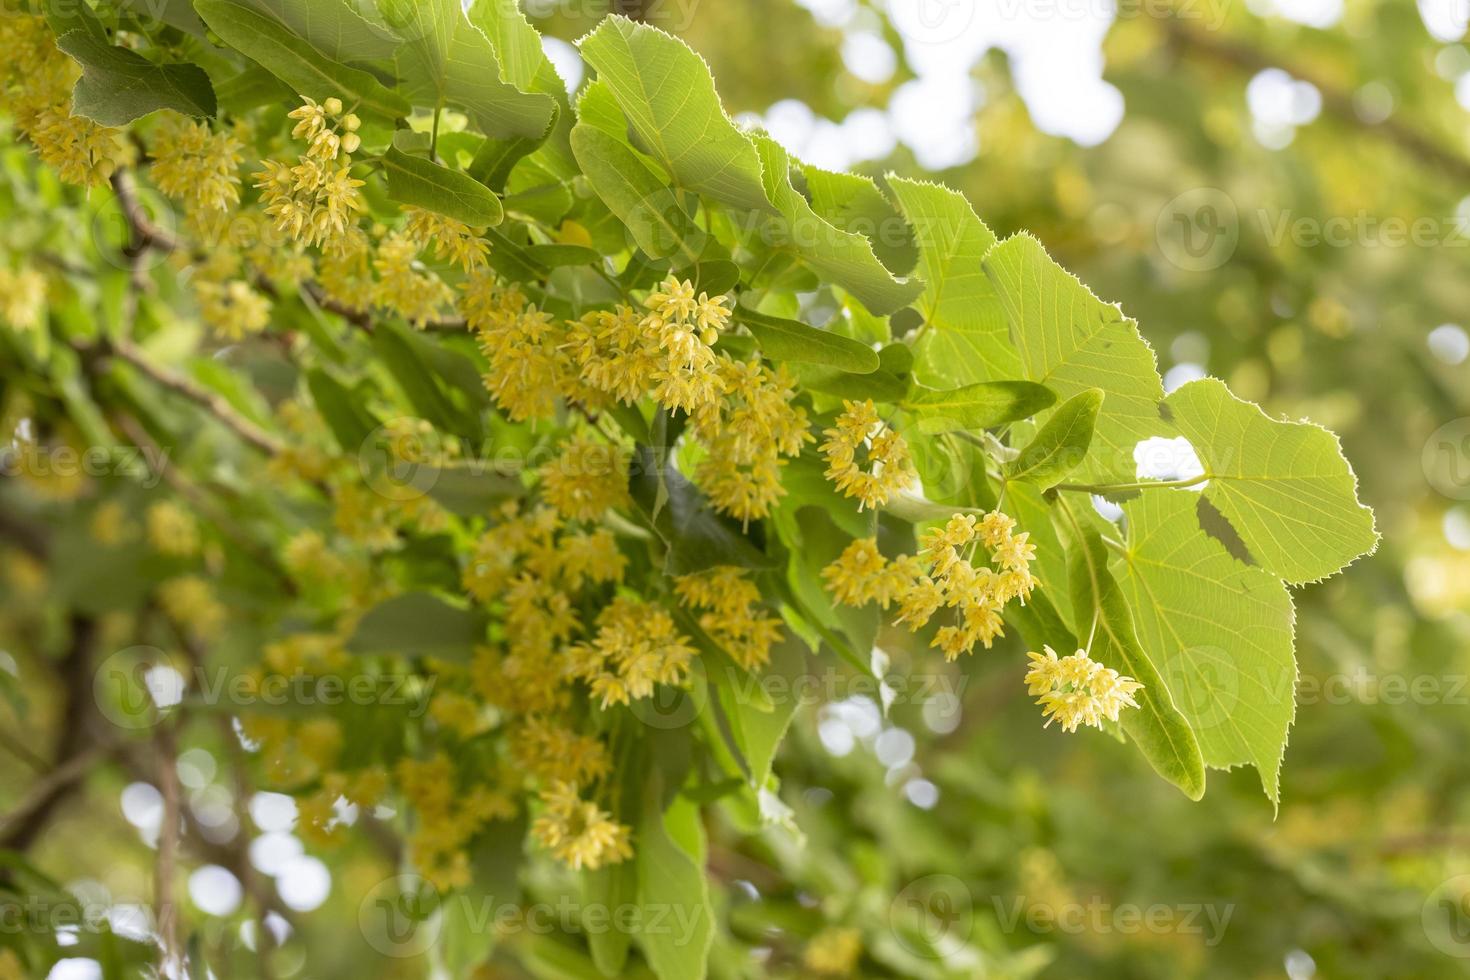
(865,458)
(172,530)
(1077,690)
(579,833)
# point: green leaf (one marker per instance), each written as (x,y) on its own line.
(668,95)
(447,60)
(336,28)
(965,337)
(758,733)
(1071,341)
(118,85)
(1156,725)
(696,536)
(854,203)
(1061,444)
(655,218)
(977,406)
(425,184)
(555,256)
(351,424)
(398,352)
(419,624)
(791,340)
(298,64)
(1219,632)
(840,257)
(523,63)
(1284,486)
(673,889)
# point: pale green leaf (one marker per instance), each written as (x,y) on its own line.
(791,340)
(654,217)
(1070,341)
(1219,632)
(294,61)
(673,889)
(446,60)
(1157,726)
(336,28)
(118,85)
(977,406)
(1061,444)
(964,337)
(669,97)
(854,203)
(1284,486)
(840,257)
(423,183)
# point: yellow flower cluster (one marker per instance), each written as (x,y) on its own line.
(833,952)
(732,613)
(865,457)
(532,566)
(522,345)
(403,285)
(35,88)
(317,200)
(578,832)
(1077,690)
(190,602)
(172,530)
(196,165)
(452,240)
(942,577)
(448,817)
(589,478)
(636,647)
(748,431)
(22,297)
(549,752)
(232,309)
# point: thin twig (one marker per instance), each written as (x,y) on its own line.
(212,402)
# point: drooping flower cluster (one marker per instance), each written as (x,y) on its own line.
(1077,690)
(865,457)
(404,286)
(522,345)
(731,613)
(196,165)
(452,240)
(748,432)
(448,816)
(637,646)
(586,480)
(35,88)
(943,576)
(316,201)
(578,832)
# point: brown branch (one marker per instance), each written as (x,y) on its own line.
(1335,102)
(212,402)
(77,745)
